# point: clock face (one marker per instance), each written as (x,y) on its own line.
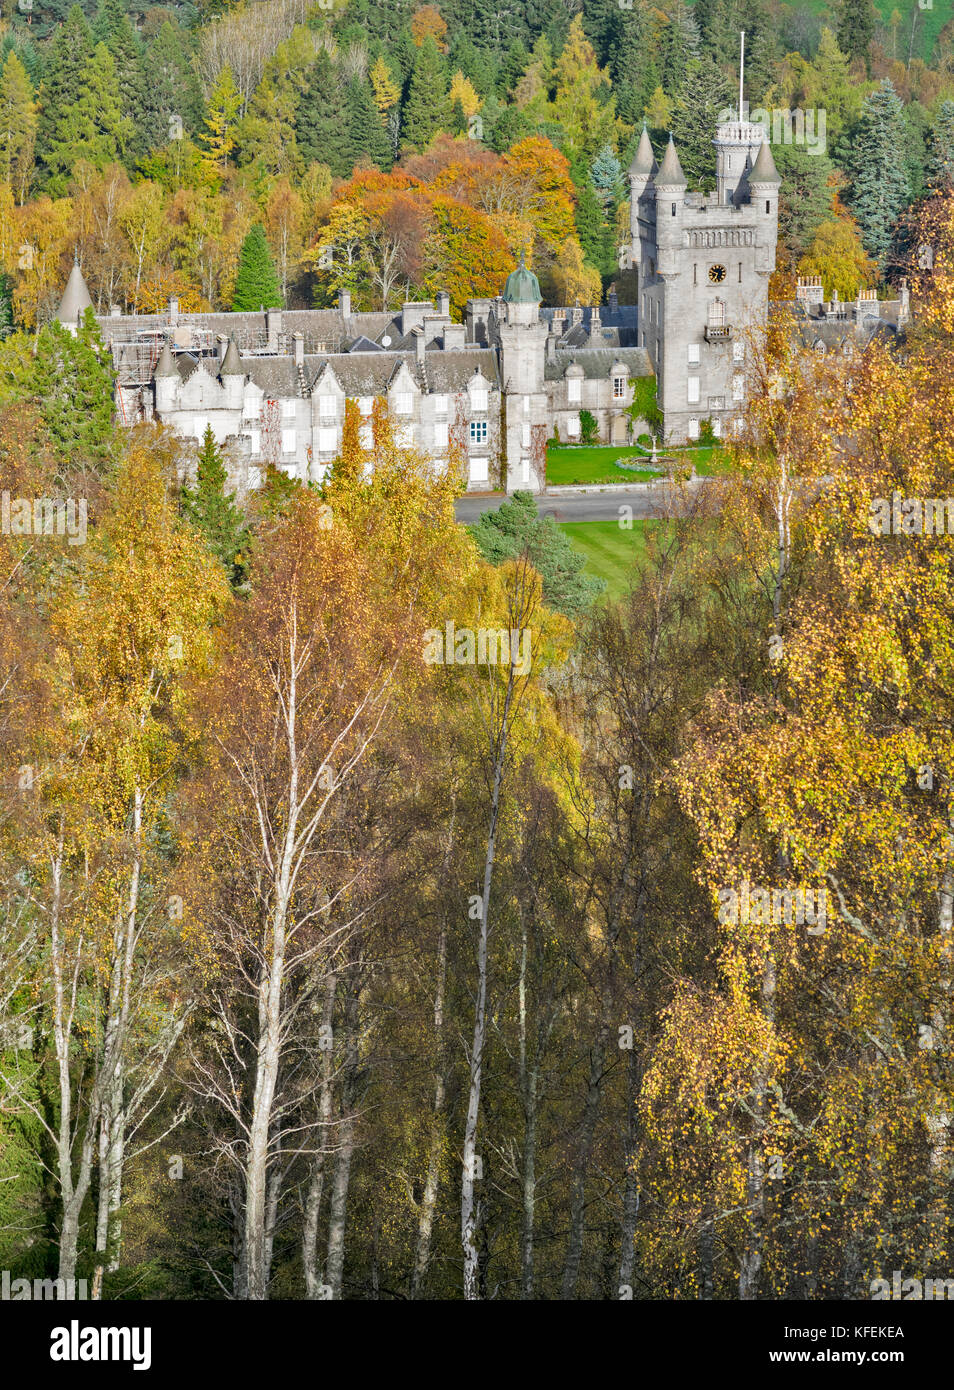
(716,274)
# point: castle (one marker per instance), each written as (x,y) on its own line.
(513,375)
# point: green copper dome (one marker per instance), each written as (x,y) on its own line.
(522,285)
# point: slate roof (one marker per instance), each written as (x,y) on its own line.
(598,364)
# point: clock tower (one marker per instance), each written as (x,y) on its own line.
(703,263)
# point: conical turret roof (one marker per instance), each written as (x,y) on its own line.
(166,366)
(764,170)
(75,297)
(644,161)
(232,363)
(670,171)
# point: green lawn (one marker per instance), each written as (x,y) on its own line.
(610,551)
(569,464)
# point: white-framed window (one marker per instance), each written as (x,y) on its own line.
(440,405)
(403,403)
(441,434)
(327,407)
(366,436)
(692,390)
(525,470)
(574,389)
(251,410)
(738,350)
(526,434)
(717,427)
(478,399)
(693,429)
(404,436)
(327,441)
(479,470)
(366,404)
(619,388)
(692,354)
(478,431)
(526,405)
(738,387)
(573,426)
(288,441)
(288,409)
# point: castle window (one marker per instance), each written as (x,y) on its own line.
(288,409)
(366,404)
(768,205)
(695,275)
(366,436)
(738,388)
(440,405)
(403,403)
(573,426)
(693,429)
(574,390)
(478,400)
(478,431)
(674,209)
(327,407)
(327,441)
(740,272)
(478,470)
(525,435)
(738,350)
(717,428)
(441,434)
(288,441)
(692,354)
(619,388)
(692,390)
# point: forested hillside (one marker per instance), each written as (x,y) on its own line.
(395,149)
(340,959)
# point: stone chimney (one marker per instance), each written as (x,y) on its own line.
(273,327)
(115,311)
(344,303)
(418,334)
(455,336)
(174,310)
(443,304)
(298,346)
(552,341)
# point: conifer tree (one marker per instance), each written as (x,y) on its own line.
(72,381)
(939,167)
(220,122)
(856,26)
(424,112)
(256,284)
(213,511)
(879,180)
(704,94)
(606,176)
(320,120)
(18,123)
(66,60)
(365,134)
(93,127)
